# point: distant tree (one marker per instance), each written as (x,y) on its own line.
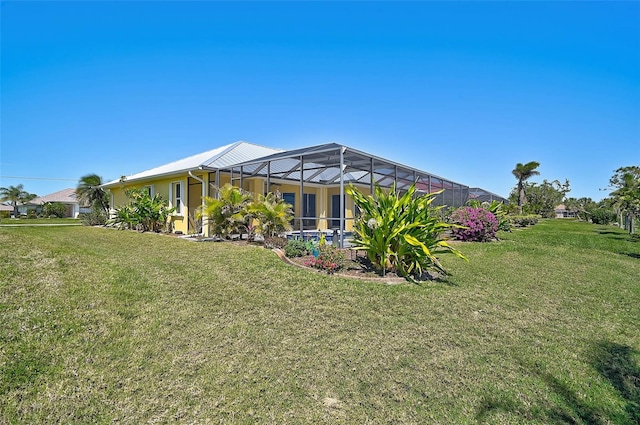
(57,209)
(523,172)
(583,207)
(16,194)
(89,192)
(626,198)
(543,198)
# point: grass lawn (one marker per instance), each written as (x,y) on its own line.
(102,326)
(33,221)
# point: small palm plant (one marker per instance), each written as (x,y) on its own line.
(401,233)
(272,214)
(227,213)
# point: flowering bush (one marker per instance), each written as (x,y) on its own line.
(329,259)
(479,225)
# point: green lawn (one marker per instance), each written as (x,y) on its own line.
(102,326)
(34,221)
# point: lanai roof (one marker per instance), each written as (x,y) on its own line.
(321,165)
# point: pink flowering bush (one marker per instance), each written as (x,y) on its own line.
(329,259)
(479,224)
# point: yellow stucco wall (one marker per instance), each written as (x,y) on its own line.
(192,196)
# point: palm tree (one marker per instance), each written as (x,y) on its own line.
(15,194)
(522,173)
(272,213)
(89,192)
(227,213)
(627,196)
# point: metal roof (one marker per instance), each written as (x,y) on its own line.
(218,158)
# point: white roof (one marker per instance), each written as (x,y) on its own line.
(218,158)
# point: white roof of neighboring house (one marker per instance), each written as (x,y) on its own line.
(5,207)
(218,158)
(65,196)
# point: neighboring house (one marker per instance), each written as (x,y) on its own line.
(5,207)
(562,212)
(311,179)
(65,196)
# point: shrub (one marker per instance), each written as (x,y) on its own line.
(602,216)
(96,217)
(524,220)
(499,209)
(330,259)
(5,214)
(143,212)
(54,210)
(32,214)
(275,242)
(296,248)
(479,225)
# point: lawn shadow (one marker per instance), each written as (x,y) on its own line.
(614,362)
(630,254)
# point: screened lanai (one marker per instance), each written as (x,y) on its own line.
(335,166)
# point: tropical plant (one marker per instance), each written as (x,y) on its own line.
(626,198)
(55,209)
(400,233)
(143,212)
(16,195)
(227,213)
(90,192)
(272,214)
(543,198)
(582,207)
(523,172)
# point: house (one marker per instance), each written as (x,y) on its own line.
(311,179)
(562,212)
(65,196)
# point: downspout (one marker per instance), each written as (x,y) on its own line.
(205,229)
(342,212)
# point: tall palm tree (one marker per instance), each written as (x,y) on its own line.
(89,192)
(523,172)
(15,194)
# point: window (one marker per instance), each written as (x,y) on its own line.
(290,198)
(176,198)
(309,210)
(149,189)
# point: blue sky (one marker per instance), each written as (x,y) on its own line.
(464,90)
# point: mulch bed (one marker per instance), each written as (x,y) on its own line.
(356,265)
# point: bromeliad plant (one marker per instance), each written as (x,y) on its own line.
(401,233)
